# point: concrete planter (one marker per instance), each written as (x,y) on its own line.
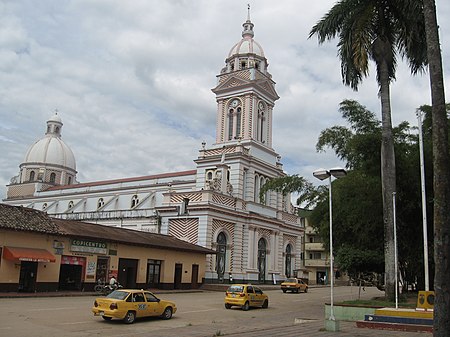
(345,312)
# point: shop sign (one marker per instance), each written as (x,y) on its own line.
(87,246)
(91,267)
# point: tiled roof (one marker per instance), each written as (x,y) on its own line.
(128,236)
(124,180)
(30,220)
(26,219)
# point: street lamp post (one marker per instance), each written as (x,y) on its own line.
(424,202)
(323,174)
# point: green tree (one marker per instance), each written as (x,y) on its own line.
(357,205)
(377,30)
(441,164)
(357,201)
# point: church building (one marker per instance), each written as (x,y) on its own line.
(216,205)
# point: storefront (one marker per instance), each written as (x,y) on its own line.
(27,260)
(60,255)
(71,273)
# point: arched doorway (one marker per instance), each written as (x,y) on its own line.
(288,259)
(262,260)
(221,256)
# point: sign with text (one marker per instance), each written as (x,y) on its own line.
(87,246)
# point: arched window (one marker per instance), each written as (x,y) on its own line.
(100,203)
(262,251)
(244,184)
(234,119)
(221,256)
(69,181)
(256,189)
(261,128)
(230,124)
(238,122)
(32,175)
(209,176)
(288,259)
(261,122)
(261,184)
(52,177)
(134,201)
(267,194)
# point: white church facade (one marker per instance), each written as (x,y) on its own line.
(215,205)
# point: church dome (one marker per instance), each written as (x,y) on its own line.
(247,53)
(51,150)
(246,46)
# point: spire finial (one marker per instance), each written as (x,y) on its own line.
(248,25)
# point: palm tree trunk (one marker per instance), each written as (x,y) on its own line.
(388,181)
(441,183)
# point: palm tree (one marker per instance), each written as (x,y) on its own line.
(378,30)
(441,183)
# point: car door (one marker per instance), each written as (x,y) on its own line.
(259,297)
(302,285)
(251,296)
(140,304)
(154,306)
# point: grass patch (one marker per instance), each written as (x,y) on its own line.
(408,301)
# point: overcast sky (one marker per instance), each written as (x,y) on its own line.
(132,80)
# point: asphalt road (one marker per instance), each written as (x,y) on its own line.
(199,314)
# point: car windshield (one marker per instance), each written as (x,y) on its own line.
(236,289)
(118,295)
(291,280)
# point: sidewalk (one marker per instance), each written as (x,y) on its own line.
(65,293)
(316,329)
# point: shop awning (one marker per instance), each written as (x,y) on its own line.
(27,254)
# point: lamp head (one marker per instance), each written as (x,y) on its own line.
(321,174)
(338,172)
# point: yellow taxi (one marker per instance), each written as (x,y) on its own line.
(129,304)
(245,296)
(294,285)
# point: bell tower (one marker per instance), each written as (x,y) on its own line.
(242,159)
(245,94)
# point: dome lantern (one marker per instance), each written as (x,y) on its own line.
(49,160)
(54,125)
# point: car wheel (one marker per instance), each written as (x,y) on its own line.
(306,290)
(98,288)
(265,304)
(167,314)
(246,306)
(106,318)
(227,306)
(129,317)
(284,290)
(297,290)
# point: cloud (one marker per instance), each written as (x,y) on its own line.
(132,80)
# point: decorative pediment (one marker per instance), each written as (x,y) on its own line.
(231,82)
(267,87)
